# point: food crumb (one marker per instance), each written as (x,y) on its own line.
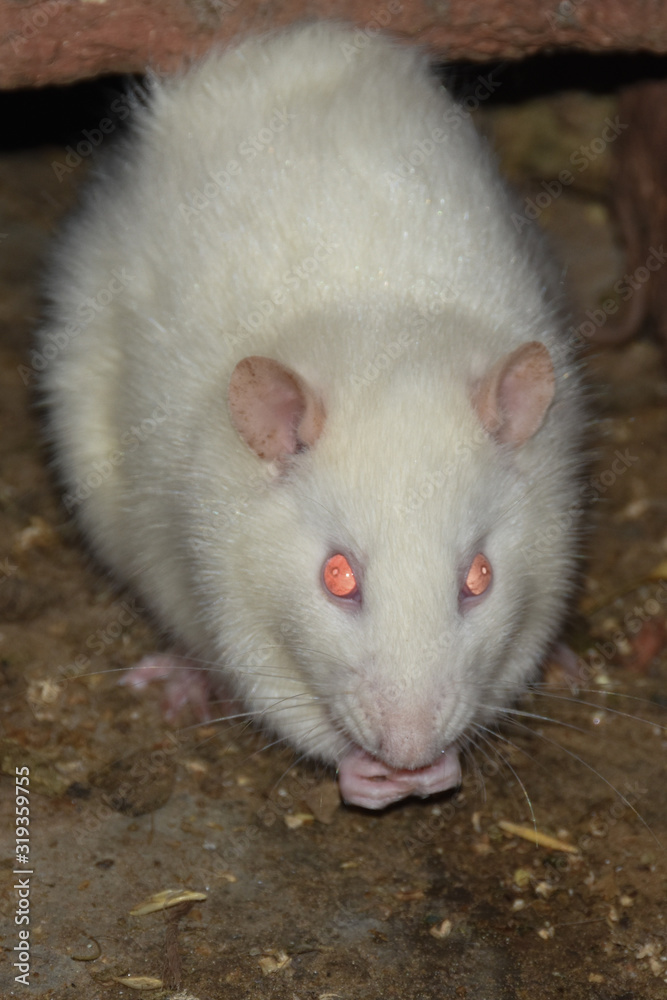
(442,930)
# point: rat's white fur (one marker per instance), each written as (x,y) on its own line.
(391,292)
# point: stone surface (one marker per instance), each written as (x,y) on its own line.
(58,41)
(640,200)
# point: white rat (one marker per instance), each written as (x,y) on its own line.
(311,397)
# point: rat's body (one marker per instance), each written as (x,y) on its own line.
(326,207)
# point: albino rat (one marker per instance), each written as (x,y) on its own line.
(312,399)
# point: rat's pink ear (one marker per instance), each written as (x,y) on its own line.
(513,398)
(273,409)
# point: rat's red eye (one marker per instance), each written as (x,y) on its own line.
(339,577)
(479,577)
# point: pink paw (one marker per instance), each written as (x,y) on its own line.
(186,684)
(365,781)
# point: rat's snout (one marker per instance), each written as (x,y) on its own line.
(407,741)
(398,727)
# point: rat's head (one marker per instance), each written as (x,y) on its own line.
(387,590)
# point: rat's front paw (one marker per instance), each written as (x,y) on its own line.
(366,781)
(186,684)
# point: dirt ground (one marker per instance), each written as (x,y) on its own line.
(306,899)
